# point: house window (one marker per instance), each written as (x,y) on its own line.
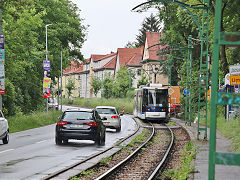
(79,91)
(139,72)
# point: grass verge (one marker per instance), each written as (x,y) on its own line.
(230,129)
(183,171)
(37,119)
(93,102)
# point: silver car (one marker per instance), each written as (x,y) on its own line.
(4,130)
(110,117)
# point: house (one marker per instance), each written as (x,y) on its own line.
(151,57)
(131,58)
(140,60)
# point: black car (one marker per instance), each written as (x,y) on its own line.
(80,124)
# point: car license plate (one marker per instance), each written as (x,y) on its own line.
(76,126)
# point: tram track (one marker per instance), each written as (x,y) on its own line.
(139,165)
(67,169)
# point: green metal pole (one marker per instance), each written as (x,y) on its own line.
(214,90)
(203,76)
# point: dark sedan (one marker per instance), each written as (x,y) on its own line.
(80,124)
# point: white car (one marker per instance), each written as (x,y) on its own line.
(110,117)
(52,103)
(4,130)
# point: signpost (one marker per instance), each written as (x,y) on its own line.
(46,79)
(2,63)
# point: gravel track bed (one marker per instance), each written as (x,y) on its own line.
(181,139)
(115,159)
(141,166)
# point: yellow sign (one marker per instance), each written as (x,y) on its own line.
(235,80)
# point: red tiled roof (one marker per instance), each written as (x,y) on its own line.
(111,64)
(107,56)
(73,68)
(95,57)
(88,61)
(135,59)
(152,39)
(126,54)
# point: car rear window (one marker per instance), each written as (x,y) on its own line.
(77,115)
(106,111)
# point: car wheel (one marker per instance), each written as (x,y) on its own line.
(6,139)
(58,140)
(118,129)
(65,141)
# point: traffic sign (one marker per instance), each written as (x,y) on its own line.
(186,92)
(234,69)
(235,80)
(170,91)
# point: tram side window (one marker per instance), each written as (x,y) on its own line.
(145,98)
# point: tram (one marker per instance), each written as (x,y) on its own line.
(151,102)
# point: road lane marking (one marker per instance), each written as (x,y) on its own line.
(41,141)
(6,150)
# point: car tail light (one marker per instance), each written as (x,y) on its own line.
(61,123)
(114,117)
(93,124)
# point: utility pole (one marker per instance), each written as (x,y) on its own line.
(61,79)
(46,60)
(0,33)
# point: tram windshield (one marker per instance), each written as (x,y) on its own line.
(157,97)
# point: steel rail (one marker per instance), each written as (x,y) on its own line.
(160,165)
(123,162)
(53,175)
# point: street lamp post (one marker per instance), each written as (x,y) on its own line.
(46,59)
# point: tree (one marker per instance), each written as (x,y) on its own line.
(130,45)
(143,81)
(123,82)
(150,24)
(96,84)
(70,87)
(23,23)
(108,84)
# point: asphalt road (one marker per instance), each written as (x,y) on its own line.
(33,154)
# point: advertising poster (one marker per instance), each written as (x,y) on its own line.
(46,68)
(46,87)
(2,56)
(46,93)
(2,86)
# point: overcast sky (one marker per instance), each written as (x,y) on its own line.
(111,24)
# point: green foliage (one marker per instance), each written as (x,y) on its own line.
(108,84)
(150,24)
(93,102)
(96,84)
(123,82)
(143,81)
(23,23)
(183,171)
(70,87)
(21,122)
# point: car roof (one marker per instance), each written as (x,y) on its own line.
(79,109)
(106,107)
